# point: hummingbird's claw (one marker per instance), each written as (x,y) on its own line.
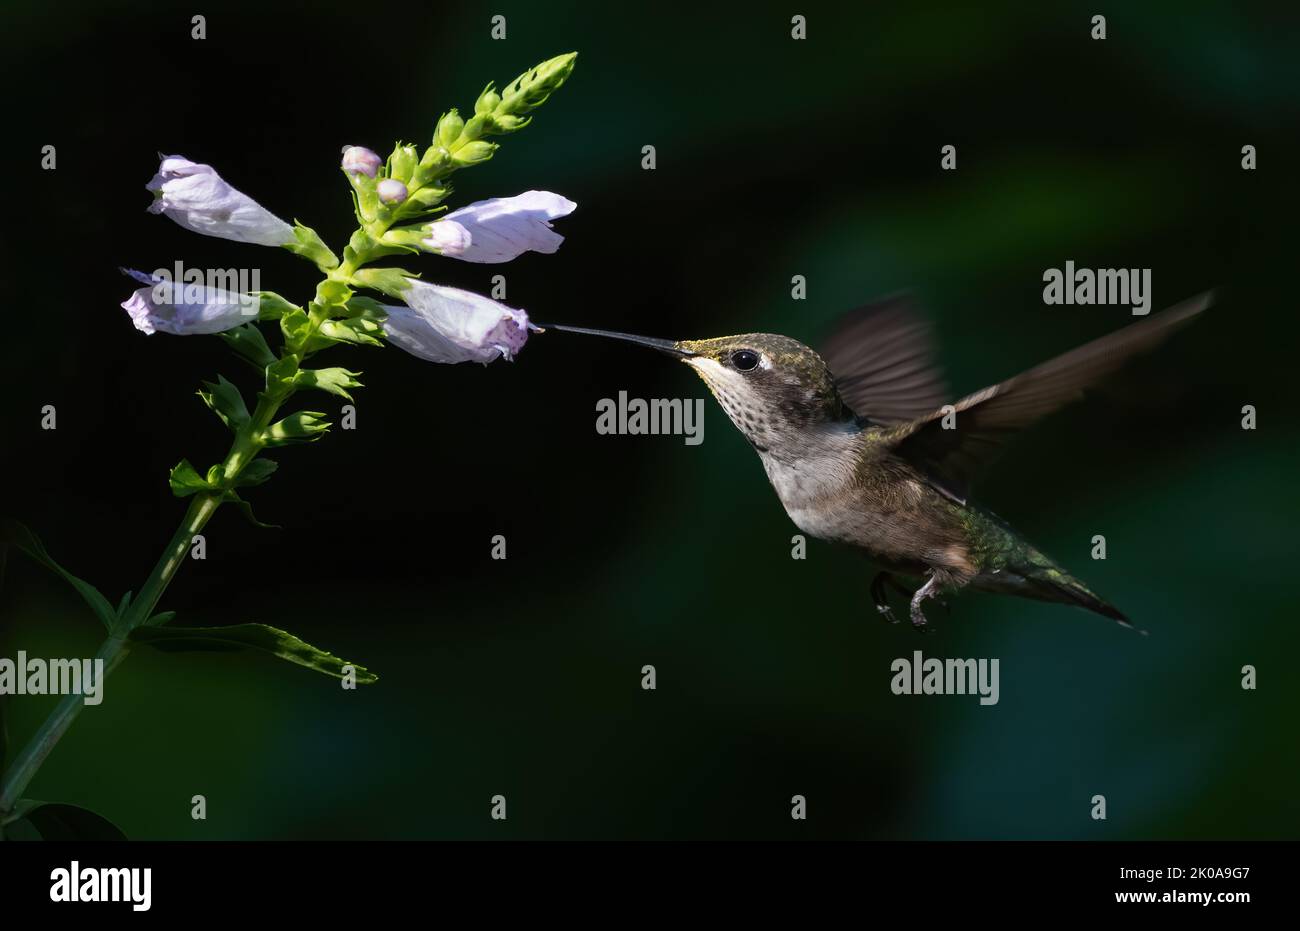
(881,598)
(884,580)
(925,591)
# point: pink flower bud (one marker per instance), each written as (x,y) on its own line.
(357,159)
(391,191)
(447,237)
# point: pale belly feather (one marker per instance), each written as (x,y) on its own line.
(912,527)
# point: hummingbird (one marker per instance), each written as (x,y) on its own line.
(863,447)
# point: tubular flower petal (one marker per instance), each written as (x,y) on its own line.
(449,325)
(186,309)
(501,229)
(196,197)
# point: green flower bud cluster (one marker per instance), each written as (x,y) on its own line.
(528,92)
(412,185)
(460,143)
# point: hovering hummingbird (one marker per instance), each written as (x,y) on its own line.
(863,448)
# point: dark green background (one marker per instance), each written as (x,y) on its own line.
(775,158)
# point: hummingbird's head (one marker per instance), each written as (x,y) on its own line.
(771,386)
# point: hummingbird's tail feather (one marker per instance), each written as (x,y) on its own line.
(1057,585)
(1051,583)
(1011,566)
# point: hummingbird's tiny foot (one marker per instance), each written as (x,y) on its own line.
(880,598)
(922,593)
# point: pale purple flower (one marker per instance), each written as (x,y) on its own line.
(357,159)
(500,229)
(196,197)
(391,191)
(447,238)
(186,309)
(443,324)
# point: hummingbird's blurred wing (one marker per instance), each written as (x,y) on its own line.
(986,419)
(882,359)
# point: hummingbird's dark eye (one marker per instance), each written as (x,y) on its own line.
(744,359)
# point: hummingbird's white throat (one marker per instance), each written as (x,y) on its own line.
(807,468)
(735,394)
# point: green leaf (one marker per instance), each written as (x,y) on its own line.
(310,246)
(226,402)
(271,306)
(394,242)
(473,153)
(162,617)
(330,293)
(295,326)
(255,473)
(20,810)
(410,238)
(449,127)
(401,164)
(247,510)
(390,281)
(487,101)
(249,637)
(124,604)
(186,480)
(280,375)
(12,533)
(368,307)
(248,341)
(334,380)
(52,821)
(365,202)
(430,197)
(358,330)
(474,129)
(300,427)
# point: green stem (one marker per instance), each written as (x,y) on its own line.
(25,765)
(243,451)
(248,443)
(201,509)
(112,651)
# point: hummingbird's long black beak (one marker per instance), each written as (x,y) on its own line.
(663,345)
